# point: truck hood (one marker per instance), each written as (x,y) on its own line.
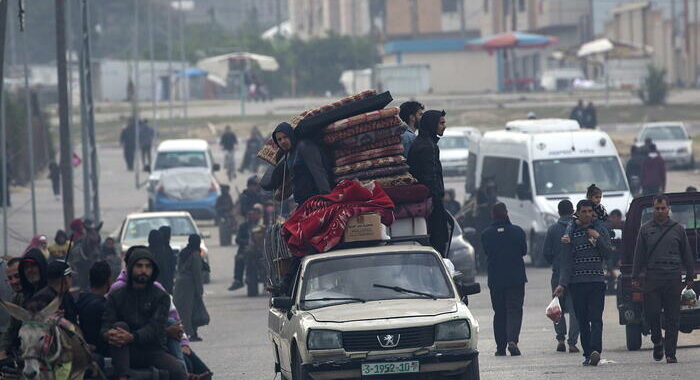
(386,309)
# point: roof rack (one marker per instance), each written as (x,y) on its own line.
(420,239)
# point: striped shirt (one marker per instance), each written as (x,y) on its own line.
(583,260)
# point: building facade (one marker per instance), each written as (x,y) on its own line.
(236,14)
(318,18)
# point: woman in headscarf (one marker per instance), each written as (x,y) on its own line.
(59,248)
(41,243)
(167,266)
(424,163)
(189,288)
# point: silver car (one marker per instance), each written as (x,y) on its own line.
(672,142)
(462,254)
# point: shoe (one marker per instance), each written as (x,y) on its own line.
(513,349)
(195,338)
(586,362)
(573,349)
(501,352)
(671,360)
(658,352)
(235,285)
(595,358)
(561,347)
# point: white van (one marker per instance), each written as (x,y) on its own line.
(538,163)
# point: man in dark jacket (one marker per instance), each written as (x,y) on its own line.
(590,119)
(577,112)
(135,319)
(661,254)
(242,240)
(59,275)
(303,161)
(583,277)
(653,173)
(32,277)
(633,168)
(91,307)
(127,139)
(166,277)
(505,245)
(250,196)
(552,253)
(425,166)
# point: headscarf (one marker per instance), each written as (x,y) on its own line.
(429,123)
(36,243)
(76,226)
(165,232)
(193,245)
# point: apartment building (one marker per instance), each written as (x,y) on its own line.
(318,18)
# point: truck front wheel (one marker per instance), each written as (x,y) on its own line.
(634,337)
(298,371)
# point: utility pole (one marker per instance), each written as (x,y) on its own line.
(154,88)
(695,45)
(185,80)
(64,124)
(135,96)
(3,125)
(170,60)
(462,21)
(279,18)
(686,9)
(87,198)
(28,114)
(514,27)
(674,55)
(90,108)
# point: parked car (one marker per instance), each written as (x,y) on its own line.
(685,209)
(179,153)
(388,310)
(462,254)
(672,142)
(456,148)
(135,228)
(191,190)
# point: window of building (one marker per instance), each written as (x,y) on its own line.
(449,6)
(504,171)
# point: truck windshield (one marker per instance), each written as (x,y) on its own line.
(574,175)
(349,279)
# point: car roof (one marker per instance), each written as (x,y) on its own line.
(405,248)
(183,145)
(542,125)
(158,214)
(659,124)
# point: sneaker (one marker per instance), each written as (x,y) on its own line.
(595,358)
(513,349)
(586,362)
(561,347)
(501,352)
(235,285)
(671,360)
(573,349)
(658,352)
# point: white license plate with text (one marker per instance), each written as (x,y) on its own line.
(370,369)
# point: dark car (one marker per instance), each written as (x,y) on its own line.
(685,209)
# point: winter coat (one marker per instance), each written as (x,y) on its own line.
(247,200)
(29,289)
(167,267)
(144,310)
(424,157)
(654,171)
(91,308)
(634,165)
(505,246)
(189,287)
(551,250)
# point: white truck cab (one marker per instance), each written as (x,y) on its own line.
(370,311)
(538,163)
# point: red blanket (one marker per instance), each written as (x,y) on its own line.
(408,194)
(319,224)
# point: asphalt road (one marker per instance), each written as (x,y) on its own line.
(236,345)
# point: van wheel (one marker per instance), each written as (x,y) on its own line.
(633,334)
(298,372)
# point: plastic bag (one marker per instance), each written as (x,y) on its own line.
(553,311)
(688,297)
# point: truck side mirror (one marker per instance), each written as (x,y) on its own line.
(524,193)
(282,303)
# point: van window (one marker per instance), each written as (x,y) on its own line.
(504,171)
(169,160)
(574,175)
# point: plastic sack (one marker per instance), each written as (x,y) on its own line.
(688,297)
(553,311)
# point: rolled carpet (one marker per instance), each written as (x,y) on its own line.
(369,154)
(393,180)
(369,164)
(371,137)
(344,152)
(391,121)
(362,119)
(375,173)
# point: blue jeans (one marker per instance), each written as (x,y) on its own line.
(174,347)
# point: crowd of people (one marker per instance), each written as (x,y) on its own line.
(142,312)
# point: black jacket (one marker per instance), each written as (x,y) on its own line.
(505,245)
(168,262)
(91,308)
(424,157)
(70,311)
(29,289)
(145,310)
(248,199)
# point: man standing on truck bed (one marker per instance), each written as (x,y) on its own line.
(582,275)
(662,251)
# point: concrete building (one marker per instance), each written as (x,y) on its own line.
(318,18)
(428,18)
(236,14)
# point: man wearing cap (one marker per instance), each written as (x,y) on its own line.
(135,319)
(59,276)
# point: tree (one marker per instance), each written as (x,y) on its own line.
(654,89)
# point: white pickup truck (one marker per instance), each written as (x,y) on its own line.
(390,310)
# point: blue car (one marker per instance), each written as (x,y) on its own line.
(191,190)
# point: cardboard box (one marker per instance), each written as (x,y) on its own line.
(366,227)
(408,227)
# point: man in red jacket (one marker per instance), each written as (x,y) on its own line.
(653,173)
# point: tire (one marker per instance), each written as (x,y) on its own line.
(298,372)
(633,334)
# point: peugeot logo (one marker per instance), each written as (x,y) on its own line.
(389,340)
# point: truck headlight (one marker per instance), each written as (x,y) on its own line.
(324,340)
(453,330)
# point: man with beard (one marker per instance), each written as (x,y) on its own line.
(135,319)
(424,163)
(32,278)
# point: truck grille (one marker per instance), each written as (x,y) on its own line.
(413,337)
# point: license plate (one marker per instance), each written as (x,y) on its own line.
(371,369)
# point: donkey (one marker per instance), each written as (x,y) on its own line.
(85,252)
(47,345)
